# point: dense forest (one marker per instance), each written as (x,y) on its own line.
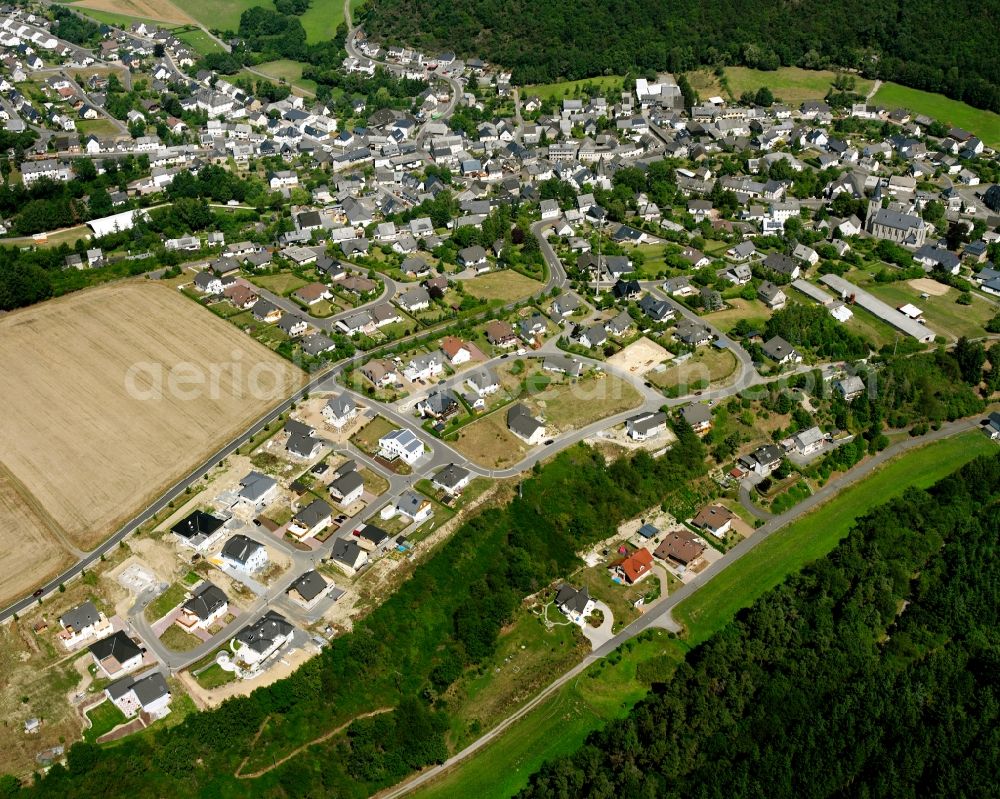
(873,673)
(442,621)
(950,48)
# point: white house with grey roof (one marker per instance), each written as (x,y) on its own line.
(347,488)
(646,425)
(148,694)
(348,555)
(402,444)
(244,554)
(525,426)
(575,603)
(256,490)
(258,642)
(308,589)
(311,520)
(83,623)
(452,479)
(339,411)
(207,605)
(116,654)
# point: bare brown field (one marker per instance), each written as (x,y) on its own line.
(489,443)
(162,10)
(111,395)
(33,547)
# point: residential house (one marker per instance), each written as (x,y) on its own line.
(456,350)
(207,605)
(699,416)
(415,507)
(780,351)
(148,695)
(850,387)
(681,547)
(308,589)
(262,639)
(339,411)
(807,442)
(575,603)
(244,554)
(783,265)
(716,519)
(348,555)
(500,334)
(763,460)
(525,426)
(347,488)
(311,520)
(116,655)
(452,479)
(372,538)
(380,373)
(646,425)
(256,490)
(483,382)
(198,530)
(82,623)
(633,568)
(439,404)
(771,295)
(402,444)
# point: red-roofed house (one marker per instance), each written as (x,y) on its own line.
(635,567)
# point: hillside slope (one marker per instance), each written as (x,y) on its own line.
(948,48)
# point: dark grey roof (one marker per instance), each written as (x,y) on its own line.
(255,485)
(372,533)
(293,426)
(645,422)
(347,483)
(451,475)
(81,616)
(346,551)
(117,645)
(520,420)
(313,513)
(206,601)
(777,348)
(150,688)
(696,414)
(300,445)
(197,523)
(780,263)
(572,599)
(240,548)
(309,585)
(261,635)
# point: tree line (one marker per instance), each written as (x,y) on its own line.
(870,673)
(950,48)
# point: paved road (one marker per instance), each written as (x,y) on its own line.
(659,615)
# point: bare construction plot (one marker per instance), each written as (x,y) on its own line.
(112,395)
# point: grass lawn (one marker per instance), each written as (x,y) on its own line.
(97,127)
(323,17)
(367,437)
(283,283)
(607,85)
(214,676)
(606,690)
(103,718)
(570,406)
(943,314)
(507,286)
(65,236)
(219,14)
(985,124)
(754,311)
(489,443)
(166,601)
(814,535)
(872,328)
(528,657)
(286,70)
(790,85)
(200,41)
(707,366)
(177,639)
